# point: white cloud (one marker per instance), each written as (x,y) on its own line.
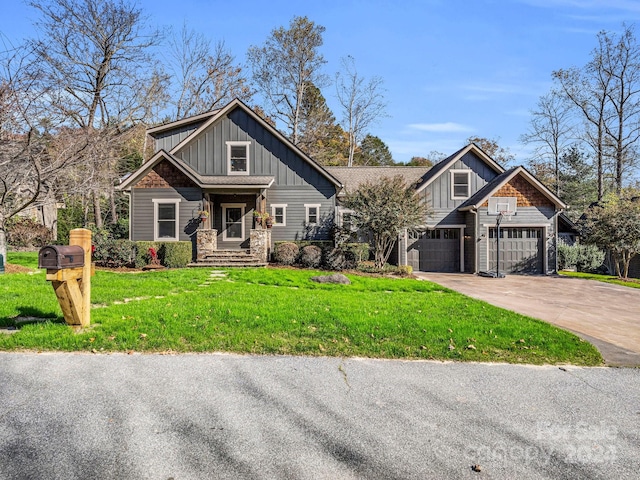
(446,127)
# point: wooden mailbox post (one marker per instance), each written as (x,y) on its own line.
(69,269)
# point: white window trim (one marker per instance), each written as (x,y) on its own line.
(284,214)
(156,202)
(236,144)
(308,206)
(468,173)
(224,206)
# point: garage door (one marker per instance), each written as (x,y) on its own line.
(521,250)
(435,250)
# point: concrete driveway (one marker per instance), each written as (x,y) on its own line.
(606,315)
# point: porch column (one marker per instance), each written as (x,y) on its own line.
(260,244)
(206,243)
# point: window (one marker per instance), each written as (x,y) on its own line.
(233,221)
(344,216)
(279,215)
(312,214)
(165,213)
(238,158)
(459,184)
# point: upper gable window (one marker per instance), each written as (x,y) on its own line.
(460,184)
(238,158)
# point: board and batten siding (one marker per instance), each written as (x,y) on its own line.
(169,139)
(207,153)
(295,199)
(142,227)
(438,192)
(541,217)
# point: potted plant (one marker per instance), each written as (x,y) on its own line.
(203,215)
(260,218)
(268,221)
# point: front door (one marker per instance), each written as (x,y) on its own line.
(233,222)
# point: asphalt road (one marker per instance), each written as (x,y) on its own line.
(81,416)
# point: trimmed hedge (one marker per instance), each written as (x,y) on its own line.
(170,254)
(175,254)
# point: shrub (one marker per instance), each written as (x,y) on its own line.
(590,258)
(27,233)
(311,256)
(286,253)
(142,256)
(359,250)
(175,254)
(339,259)
(404,270)
(585,258)
(112,252)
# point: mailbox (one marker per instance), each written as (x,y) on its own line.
(57,257)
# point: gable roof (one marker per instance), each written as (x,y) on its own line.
(482,195)
(180,123)
(443,165)
(202,181)
(212,117)
(353,177)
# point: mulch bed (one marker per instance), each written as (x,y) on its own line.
(10,268)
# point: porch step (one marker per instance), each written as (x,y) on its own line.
(229,258)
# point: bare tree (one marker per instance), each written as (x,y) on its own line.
(620,60)
(31,163)
(283,68)
(100,76)
(606,95)
(362,103)
(550,131)
(204,79)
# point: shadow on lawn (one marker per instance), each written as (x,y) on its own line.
(28,316)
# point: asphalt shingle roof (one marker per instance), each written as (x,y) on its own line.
(353,177)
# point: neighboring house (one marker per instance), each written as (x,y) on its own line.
(231,162)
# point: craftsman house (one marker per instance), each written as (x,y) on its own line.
(211,172)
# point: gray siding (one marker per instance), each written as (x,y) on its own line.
(142,212)
(169,139)
(295,199)
(525,217)
(438,193)
(207,153)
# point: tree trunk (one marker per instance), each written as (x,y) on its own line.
(97,212)
(3,243)
(114,210)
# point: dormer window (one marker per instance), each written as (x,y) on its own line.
(238,158)
(460,184)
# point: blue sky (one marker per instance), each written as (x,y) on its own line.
(451,68)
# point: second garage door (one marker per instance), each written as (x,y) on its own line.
(521,250)
(435,250)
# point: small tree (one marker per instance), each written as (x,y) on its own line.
(385,209)
(614,225)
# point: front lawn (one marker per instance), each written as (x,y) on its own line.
(280,311)
(632,282)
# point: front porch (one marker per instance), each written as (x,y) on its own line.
(208,254)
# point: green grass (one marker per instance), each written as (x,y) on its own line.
(632,282)
(280,311)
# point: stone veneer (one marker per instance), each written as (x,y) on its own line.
(206,243)
(260,242)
